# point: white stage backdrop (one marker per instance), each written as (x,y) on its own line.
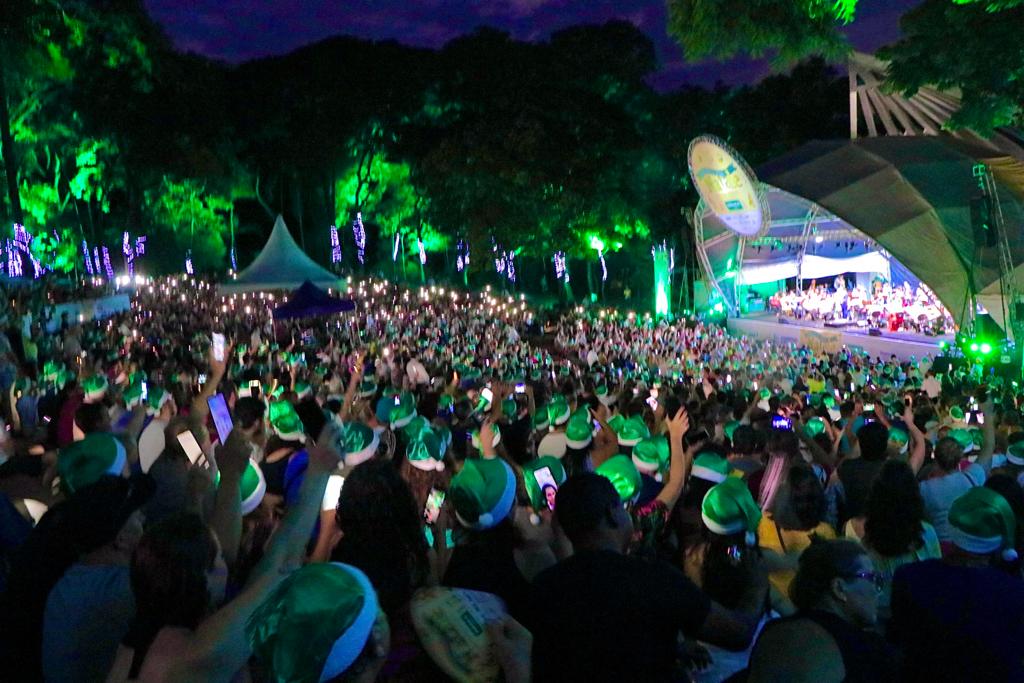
(813,268)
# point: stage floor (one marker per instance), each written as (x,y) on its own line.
(814,334)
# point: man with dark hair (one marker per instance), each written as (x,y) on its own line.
(603,615)
(743,455)
(948,481)
(857,474)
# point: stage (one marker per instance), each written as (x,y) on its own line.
(816,335)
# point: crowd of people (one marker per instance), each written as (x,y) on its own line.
(896,308)
(452,485)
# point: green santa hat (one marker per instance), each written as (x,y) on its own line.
(133,394)
(1015,453)
(95,388)
(833,411)
(632,431)
(964,438)
(475,437)
(384,405)
(403,411)
(509,408)
(616,421)
(367,388)
(899,438)
(579,431)
(624,476)
(982,522)
(158,398)
(303,390)
(728,508)
(604,396)
(540,419)
(558,411)
(651,456)
(483,492)
(360,443)
(84,462)
(314,625)
(730,428)
(533,487)
(710,467)
(51,371)
(286,422)
(417,425)
(814,426)
(425,452)
(956,413)
(253,487)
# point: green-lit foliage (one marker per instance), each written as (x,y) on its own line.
(57,250)
(785,30)
(973,47)
(537,145)
(194,217)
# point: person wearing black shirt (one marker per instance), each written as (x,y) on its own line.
(858,474)
(602,615)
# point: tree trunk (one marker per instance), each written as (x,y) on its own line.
(297,194)
(7,145)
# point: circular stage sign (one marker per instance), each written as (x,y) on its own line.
(728,186)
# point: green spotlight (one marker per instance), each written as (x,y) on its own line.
(986,348)
(974,347)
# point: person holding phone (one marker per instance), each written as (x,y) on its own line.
(176,639)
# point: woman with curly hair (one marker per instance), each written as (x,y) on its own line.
(382,532)
(893,530)
(382,535)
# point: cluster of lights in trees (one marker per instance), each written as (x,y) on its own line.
(188,263)
(561,268)
(87,258)
(359,233)
(15,248)
(423,251)
(335,245)
(504,262)
(129,254)
(110,269)
(462,256)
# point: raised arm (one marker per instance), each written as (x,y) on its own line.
(219,648)
(200,405)
(226,519)
(988,431)
(353,386)
(819,454)
(679,464)
(917,450)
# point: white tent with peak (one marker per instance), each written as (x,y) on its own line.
(281,264)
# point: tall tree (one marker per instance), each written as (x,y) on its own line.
(975,47)
(785,30)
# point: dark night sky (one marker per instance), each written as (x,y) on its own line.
(236,30)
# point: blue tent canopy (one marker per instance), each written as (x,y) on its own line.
(309,301)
